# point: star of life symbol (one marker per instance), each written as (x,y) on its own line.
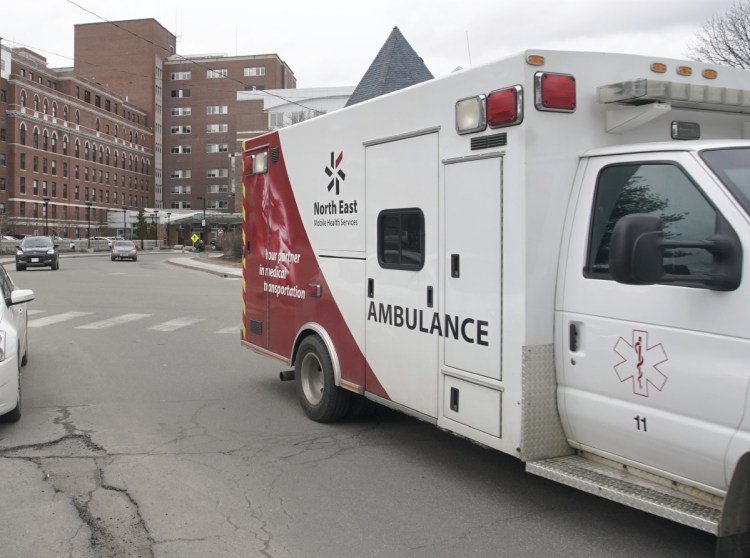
(640,363)
(335,173)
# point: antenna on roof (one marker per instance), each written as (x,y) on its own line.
(468,48)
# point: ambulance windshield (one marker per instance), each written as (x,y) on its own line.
(732,166)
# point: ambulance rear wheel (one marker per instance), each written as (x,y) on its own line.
(320,397)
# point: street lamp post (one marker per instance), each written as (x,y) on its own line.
(205,223)
(169,214)
(46,220)
(88,218)
(155,223)
(124,221)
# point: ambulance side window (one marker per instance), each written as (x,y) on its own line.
(661,189)
(401,239)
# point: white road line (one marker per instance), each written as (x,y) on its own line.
(32,312)
(177,323)
(230,329)
(57,318)
(117,320)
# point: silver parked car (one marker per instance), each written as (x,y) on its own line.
(124,249)
(14,345)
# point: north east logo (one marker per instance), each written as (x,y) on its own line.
(334,172)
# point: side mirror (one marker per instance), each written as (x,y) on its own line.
(636,255)
(19,296)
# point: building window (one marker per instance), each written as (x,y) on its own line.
(23,134)
(22,185)
(217,204)
(3,160)
(45,140)
(180,129)
(35,187)
(54,142)
(180,93)
(2,184)
(181,111)
(65,145)
(179,149)
(180,174)
(87,96)
(217,173)
(256,71)
(22,161)
(177,76)
(65,114)
(218,189)
(213,74)
(22,208)
(180,189)
(3,136)
(23,99)
(217,148)
(217,128)
(36,138)
(217,109)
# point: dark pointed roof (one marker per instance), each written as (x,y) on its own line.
(396,66)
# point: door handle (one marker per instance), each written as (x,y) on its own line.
(371,288)
(455,265)
(429,297)
(573,341)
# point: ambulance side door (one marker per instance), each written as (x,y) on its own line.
(652,374)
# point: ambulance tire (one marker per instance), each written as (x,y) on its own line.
(320,397)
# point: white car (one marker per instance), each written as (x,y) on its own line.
(14,345)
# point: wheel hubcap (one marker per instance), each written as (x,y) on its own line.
(312,379)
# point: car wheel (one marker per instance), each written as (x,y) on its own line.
(14,414)
(20,267)
(135,258)
(320,397)
(113,258)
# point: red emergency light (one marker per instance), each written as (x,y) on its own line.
(505,107)
(554,92)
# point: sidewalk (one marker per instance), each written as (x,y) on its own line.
(208,263)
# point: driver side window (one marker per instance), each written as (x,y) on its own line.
(661,189)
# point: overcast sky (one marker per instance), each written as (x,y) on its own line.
(333,42)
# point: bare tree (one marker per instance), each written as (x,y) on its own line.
(725,38)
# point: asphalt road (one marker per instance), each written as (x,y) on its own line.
(148,431)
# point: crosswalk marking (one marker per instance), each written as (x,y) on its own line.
(117,320)
(175,324)
(56,319)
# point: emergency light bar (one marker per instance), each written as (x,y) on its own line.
(679,95)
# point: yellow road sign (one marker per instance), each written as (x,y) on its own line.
(195,237)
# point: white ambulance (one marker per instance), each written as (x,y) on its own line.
(545,255)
